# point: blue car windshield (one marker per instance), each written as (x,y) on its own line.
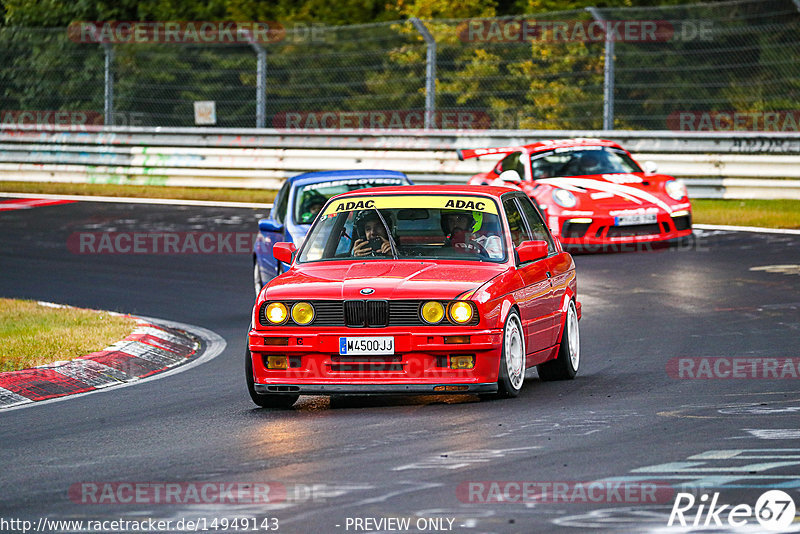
(310,198)
(423,230)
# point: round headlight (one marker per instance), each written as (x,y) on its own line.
(302,313)
(432,312)
(460,312)
(564,198)
(276,313)
(675,189)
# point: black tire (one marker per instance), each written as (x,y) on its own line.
(512,361)
(565,367)
(279,401)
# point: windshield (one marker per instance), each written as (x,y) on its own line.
(588,160)
(310,198)
(407,227)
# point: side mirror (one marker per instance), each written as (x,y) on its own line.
(510,176)
(531,251)
(284,251)
(650,167)
(270,225)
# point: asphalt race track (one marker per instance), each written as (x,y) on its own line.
(445,464)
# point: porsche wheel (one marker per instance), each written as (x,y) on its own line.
(565,367)
(512,361)
(265,401)
(257,283)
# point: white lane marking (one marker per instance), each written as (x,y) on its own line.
(774,433)
(778,269)
(756,229)
(132,200)
(459,459)
(215,344)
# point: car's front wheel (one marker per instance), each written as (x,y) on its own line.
(565,366)
(512,361)
(264,400)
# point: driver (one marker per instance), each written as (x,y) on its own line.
(311,206)
(590,163)
(464,230)
(371,234)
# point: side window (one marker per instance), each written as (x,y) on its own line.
(282,201)
(512,162)
(519,231)
(536,223)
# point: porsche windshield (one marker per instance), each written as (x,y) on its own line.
(407,227)
(585,161)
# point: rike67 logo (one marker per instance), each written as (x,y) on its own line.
(774,510)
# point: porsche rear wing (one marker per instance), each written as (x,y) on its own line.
(468,153)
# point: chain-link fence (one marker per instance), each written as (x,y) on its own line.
(712,66)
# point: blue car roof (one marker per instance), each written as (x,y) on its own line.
(326,176)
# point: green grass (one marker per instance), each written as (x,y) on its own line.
(764,213)
(32,334)
(142,191)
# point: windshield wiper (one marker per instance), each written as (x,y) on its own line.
(388,235)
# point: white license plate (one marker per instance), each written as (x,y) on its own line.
(628,220)
(366,345)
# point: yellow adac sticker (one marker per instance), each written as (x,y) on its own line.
(460,202)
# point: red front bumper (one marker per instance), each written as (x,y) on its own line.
(602,231)
(420,363)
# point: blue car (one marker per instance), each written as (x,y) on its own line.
(296,206)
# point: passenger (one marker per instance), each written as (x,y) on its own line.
(371,237)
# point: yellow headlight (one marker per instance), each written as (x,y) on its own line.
(460,312)
(276,313)
(302,313)
(432,312)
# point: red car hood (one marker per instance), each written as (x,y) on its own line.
(614,191)
(390,279)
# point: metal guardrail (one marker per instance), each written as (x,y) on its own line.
(714,165)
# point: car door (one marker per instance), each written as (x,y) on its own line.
(558,265)
(534,296)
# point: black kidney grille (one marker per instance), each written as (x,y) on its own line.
(355,313)
(377,313)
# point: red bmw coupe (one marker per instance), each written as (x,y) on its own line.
(592,192)
(416,290)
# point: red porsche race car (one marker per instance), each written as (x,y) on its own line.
(592,192)
(416,290)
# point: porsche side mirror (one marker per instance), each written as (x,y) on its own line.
(270,225)
(650,167)
(284,251)
(531,251)
(510,176)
